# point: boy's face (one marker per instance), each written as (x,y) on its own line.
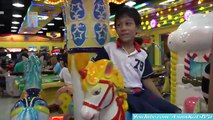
(126,28)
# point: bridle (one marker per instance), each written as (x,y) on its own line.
(98,107)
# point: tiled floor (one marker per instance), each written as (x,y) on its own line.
(6,103)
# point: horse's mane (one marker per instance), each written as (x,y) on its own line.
(96,72)
(32,72)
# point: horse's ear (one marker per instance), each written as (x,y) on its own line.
(24,58)
(108,69)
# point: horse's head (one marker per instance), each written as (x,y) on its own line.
(100,81)
(32,72)
(30,108)
(195,34)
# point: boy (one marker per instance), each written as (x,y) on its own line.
(132,62)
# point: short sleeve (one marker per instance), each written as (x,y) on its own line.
(148,72)
(57,68)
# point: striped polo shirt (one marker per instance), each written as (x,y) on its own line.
(133,67)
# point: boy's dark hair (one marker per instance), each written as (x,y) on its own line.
(24,54)
(129,11)
(63,58)
(24,50)
(139,40)
(168,55)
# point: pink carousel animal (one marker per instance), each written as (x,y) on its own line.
(103,99)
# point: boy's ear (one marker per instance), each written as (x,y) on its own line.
(24,58)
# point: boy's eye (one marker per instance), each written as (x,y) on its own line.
(117,25)
(128,23)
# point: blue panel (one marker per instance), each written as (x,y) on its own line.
(99,10)
(77,11)
(100,33)
(78,33)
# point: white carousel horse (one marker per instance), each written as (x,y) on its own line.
(31,107)
(103,100)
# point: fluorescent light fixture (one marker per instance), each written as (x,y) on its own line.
(42,17)
(166,2)
(17,15)
(50,24)
(14,27)
(18,4)
(1,25)
(44,28)
(40,31)
(1,12)
(111,23)
(130,3)
(15,22)
(25,32)
(58,18)
(13,30)
(145,9)
(141,5)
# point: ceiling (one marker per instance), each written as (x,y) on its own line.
(6,11)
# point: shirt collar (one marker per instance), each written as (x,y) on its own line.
(136,45)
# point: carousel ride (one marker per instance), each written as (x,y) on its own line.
(83,46)
(31,107)
(190,45)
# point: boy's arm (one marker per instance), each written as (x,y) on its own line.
(148,83)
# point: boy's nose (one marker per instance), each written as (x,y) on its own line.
(123,27)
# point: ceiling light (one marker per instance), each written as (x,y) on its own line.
(167,2)
(63,29)
(40,31)
(141,5)
(15,22)
(1,12)
(146,10)
(25,32)
(1,25)
(58,18)
(130,3)
(111,23)
(17,16)
(13,30)
(50,24)
(44,28)
(17,4)
(14,27)
(42,17)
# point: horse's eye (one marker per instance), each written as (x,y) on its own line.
(97,92)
